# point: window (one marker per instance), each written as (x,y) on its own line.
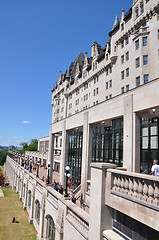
(97,91)
(37,212)
(158,34)
(141,8)
(122,44)
(115,49)
(137,12)
(110,69)
(61,142)
(137,44)
(137,62)
(127,56)
(122,75)
(146,78)
(107,72)
(29,199)
(94,92)
(70,105)
(138,81)
(127,40)
(127,72)
(106,98)
(122,26)
(110,83)
(110,96)
(122,90)
(56,142)
(122,59)
(144,41)
(127,87)
(96,102)
(158,15)
(106,85)
(50,234)
(107,57)
(145,59)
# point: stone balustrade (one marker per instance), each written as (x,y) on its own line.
(78,222)
(140,188)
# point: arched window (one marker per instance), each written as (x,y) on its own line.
(50,234)
(29,199)
(24,191)
(37,212)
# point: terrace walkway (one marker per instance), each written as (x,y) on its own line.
(10,206)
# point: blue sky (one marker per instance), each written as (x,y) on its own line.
(38,38)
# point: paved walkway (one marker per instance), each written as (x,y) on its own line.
(1,193)
(43,172)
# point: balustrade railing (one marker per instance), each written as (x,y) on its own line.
(78,222)
(141,188)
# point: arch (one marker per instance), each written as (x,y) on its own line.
(37,211)
(50,229)
(24,190)
(29,199)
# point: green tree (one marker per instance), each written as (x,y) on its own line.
(33,146)
(3,154)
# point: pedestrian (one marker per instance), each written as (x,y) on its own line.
(30,167)
(74,199)
(43,178)
(54,184)
(61,189)
(69,183)
(155,168)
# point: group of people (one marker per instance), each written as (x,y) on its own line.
(59,188)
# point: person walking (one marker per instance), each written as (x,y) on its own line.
(155,169)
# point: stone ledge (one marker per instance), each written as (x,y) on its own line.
(111,235)
(102,165)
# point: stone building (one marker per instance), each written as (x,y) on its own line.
(105,108)
(105,127)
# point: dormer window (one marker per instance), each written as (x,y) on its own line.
(127,40)
(141,8)
(137,12)
(122,27)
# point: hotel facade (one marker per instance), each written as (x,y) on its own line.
(105,108)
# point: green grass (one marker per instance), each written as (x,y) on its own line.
(1,169)
(11,206)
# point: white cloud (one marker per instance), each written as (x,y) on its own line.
(26,122)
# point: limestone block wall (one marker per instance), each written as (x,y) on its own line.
(71,222)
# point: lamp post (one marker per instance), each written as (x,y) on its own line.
(25,161)
(30,164)
(67,174)
(38,163)
(19,158)
(48,175)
